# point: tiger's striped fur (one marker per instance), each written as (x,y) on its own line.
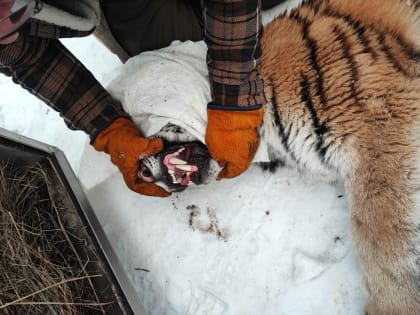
(343,83)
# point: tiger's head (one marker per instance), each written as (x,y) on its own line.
(183,162)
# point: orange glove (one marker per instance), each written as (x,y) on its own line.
(124,143)
(232,139)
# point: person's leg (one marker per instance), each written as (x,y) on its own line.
(140,25)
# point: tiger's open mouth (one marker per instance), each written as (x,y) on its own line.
(178,166)
(180,171)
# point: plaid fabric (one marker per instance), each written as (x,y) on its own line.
(41,64)
(233,29)
(46,30)
(49,71)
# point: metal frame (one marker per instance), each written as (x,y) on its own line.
(69,179)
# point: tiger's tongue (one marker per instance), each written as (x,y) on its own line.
(178,168)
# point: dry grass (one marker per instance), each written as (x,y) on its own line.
(41,272)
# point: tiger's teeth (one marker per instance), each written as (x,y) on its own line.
(172,174)
(187,168)
(176,161)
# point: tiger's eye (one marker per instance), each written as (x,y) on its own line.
(146,172)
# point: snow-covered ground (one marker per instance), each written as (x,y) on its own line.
(274,244)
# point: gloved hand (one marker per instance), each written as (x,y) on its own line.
(232,139)
(124,143)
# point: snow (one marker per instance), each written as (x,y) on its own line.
(258,244)
(274,244)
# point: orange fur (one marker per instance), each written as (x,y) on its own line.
(344,86)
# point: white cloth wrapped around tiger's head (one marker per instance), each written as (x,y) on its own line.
(166,93)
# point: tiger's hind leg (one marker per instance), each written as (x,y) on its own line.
(386,230)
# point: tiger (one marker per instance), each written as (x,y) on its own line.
(342,82)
